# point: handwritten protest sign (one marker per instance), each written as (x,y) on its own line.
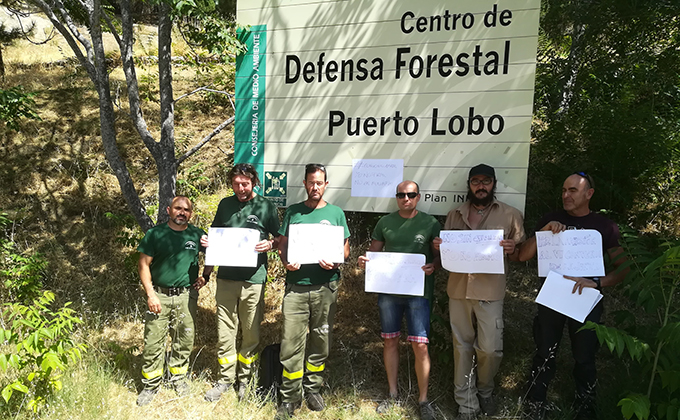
(395,273)
(570,253)
(232,247)
(557,295)
(376,177)
(309,243)
(472,251)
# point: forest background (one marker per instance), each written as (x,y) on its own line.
(607,102)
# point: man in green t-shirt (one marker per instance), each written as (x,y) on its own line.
(168,266)
(240,290)
(409,231)
(309,302)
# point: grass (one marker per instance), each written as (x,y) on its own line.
(57,187)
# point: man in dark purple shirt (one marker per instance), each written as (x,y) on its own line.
(577,191)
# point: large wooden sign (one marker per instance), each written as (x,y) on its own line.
(380,91)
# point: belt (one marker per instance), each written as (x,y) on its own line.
(171,291)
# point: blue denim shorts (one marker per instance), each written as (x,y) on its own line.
(392,309)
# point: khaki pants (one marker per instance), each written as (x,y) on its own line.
(486,344)
(177,318)
(303,307)
(239,303)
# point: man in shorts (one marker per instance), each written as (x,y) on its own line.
(409,231)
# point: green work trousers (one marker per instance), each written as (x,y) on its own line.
(239,303)
(306,307)
(176,318)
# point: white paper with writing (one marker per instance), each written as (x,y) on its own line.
(309,243)
(376,177)
(570,253)
(232,247)
(395,273)
(472,251)
(557,295)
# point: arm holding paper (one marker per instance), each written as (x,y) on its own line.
(377,246)
(612,278)
(527,250)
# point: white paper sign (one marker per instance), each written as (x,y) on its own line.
(395,273)
(376,177)
(557,295)
(232,247)
(472,251)
(309,243)
(571,253)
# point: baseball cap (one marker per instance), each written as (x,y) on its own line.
(482,169)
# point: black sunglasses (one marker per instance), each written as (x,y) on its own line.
(410,195)
(587,177)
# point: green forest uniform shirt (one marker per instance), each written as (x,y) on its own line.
(174,253)
(299,213)
(413,236)
(259,214)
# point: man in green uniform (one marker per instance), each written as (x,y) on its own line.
(309,302)
(240,290)
(409,231)
(167,265)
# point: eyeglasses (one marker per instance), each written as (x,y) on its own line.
(485,181)
(587,177)
(411,195)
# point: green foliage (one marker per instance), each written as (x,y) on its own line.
(192,182)
(652,282)
(608,102)
(21,274)
(15,104)
(41,345)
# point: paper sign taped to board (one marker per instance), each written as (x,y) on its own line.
(232,247)
(557,295)
(309,243)
(395,273)
(570,253)
(472,251)
(376,177)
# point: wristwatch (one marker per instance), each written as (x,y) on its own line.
(597,282)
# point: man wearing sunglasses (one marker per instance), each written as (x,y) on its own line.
(476,300)
(411,231)
(577,191)
(310,301)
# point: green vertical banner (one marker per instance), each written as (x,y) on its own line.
(251,70)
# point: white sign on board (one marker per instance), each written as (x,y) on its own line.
(232,247)
(570,253)
(557,295)
(310,243)
(442,85)
(395,273)
(376,177)
(472,251)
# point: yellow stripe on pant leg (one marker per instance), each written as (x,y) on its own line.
(248,360)
(153,374)
(312,368)
(179,370)
(293,375)
(227,360)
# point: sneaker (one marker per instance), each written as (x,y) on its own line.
(387,404)
(488,405)
(181,388)
(315,401)
(242,389)
(286,410)
(146,396)
(216,392)
(466,416)
(427,411)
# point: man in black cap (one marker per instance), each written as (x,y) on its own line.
(476,300)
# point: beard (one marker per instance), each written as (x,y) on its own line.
(180,221)
(481,202)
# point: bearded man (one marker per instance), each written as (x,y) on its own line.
(476,300)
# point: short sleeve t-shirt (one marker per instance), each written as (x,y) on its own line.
(257,213)
(607,228)
(312,274)
(174,253)
(413,236)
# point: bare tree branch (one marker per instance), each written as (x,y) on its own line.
(203,89)
(206,139)
(112,28)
